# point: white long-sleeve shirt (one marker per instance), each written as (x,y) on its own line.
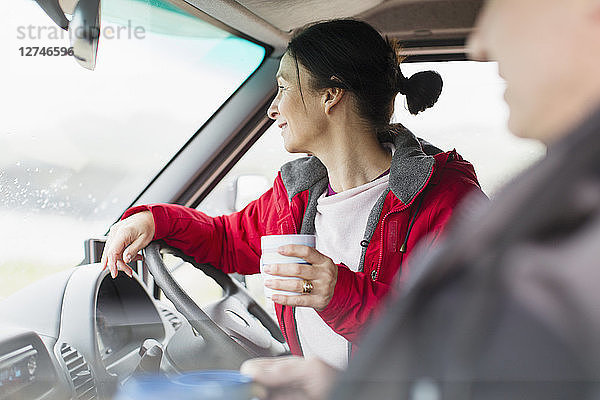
(339,226)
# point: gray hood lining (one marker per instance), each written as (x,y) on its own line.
(302,174)
(411,167)
(308,222)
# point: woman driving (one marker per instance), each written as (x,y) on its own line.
(369,191)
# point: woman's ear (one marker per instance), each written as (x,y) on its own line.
(332,97)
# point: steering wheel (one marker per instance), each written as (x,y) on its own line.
(237,329)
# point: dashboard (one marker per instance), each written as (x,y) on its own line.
(77,334)
(25,367)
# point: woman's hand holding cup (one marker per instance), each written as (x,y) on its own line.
(315,279)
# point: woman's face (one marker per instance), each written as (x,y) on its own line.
(300,122)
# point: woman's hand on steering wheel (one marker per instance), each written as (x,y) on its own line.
(318,278)
(125,239)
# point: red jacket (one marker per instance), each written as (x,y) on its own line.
(424,191)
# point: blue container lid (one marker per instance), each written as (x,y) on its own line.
(228,378)
(197,385)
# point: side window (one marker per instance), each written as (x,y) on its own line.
(253,175)
(248,179)
(471,117)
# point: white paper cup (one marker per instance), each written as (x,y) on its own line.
(269,245)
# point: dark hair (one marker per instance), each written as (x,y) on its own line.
(352,55)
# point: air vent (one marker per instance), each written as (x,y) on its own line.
(80,373)
(172,318)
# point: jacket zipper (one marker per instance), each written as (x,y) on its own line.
(392,212)
(281,324)
(293,308)
(396,211)
(381,248)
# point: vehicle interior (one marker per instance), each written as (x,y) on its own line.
(167,104)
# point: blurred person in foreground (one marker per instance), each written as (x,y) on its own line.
(509,306)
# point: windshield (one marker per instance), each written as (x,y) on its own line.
(77,147)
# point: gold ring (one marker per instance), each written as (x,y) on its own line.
(307,287)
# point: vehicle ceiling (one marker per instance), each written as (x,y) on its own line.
(423,26)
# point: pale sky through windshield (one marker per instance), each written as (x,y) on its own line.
(77,146)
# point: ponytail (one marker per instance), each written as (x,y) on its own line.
(422,90)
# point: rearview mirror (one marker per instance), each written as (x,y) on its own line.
(54,11)
(84,31)
(84,27)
